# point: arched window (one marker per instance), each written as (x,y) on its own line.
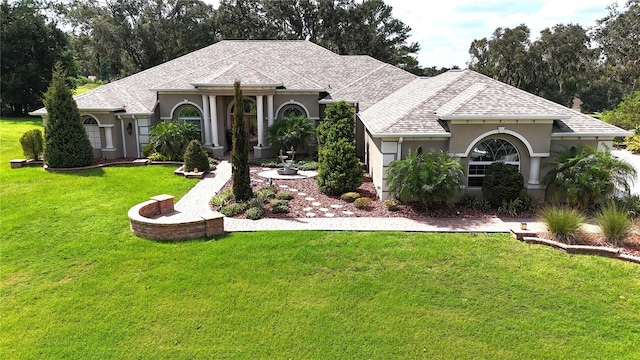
(486,153)
(291,110)
(192,115)
(93,132)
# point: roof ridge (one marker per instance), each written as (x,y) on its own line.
(447,85)
(363,76)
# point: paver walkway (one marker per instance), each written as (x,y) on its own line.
(196,202)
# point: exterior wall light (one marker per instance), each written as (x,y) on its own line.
(129,128)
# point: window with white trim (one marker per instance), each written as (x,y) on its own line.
(93,132)
(191,115)
(291,110)
(486,153)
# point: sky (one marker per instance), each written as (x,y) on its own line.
(445,28)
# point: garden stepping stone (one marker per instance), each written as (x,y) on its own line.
(329,215)
(302,194)
(284,186)
(307,209)
(336,206)
(293,190)
(266,169)
(311,214)
(309,198)
(315,203)
(348,213)
(323,209)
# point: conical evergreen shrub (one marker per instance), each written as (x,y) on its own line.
(240,151)
(195,157)
(66,141)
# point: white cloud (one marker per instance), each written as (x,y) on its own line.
(446,29)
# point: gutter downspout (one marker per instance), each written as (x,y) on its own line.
(400,141)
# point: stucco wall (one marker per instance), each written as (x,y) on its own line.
(374,162)
(463,135)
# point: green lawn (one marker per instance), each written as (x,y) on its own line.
(86,87)
(75,283)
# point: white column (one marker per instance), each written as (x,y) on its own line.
(213,105)
(205,110)
(108,136)
(534,171)
(124,138)
(270,110)
(260,116)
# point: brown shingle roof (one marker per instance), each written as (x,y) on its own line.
(419,107)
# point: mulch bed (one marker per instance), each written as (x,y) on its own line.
(300,207)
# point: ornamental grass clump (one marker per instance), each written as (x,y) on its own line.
(254,213)
(233,209)
(222,199)
(563,223)
(350,196)
(614,223)
(285,195)
(392,204)
(362,203)
(279,206)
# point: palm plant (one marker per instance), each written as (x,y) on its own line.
(170,138)
(292,132)
(586,176)
(432,176)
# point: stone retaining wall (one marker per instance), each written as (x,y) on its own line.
(156,219)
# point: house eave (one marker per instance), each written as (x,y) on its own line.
(502,117)
(242,86)
(82,110)
(574,135)
(411,135)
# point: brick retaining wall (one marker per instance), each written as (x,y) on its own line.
(156,219)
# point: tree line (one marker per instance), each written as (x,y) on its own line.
(564,63)
(112,39)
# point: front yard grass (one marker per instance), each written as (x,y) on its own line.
(76,283)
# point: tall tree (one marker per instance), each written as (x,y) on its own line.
(560,59)
(618,35)
(30,44)
(558,66)
(121,37)
(240,150)
(345,27)
(66,142)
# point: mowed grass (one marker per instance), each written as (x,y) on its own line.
(81,89)
(75,283)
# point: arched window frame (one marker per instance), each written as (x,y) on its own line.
(191,118)
(92,128)
(496,150)
(291,109)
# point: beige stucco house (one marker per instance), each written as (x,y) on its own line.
(473,117)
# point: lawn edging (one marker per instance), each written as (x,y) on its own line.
(137,162)
(583,249)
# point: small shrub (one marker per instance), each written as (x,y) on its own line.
(222,199)
(32,144)
(631,204)
(279,206)
(362,203)
(350,196)
(391,204)
(633,144)
(510,207)
(233,209)
(285,195)
(564,223)
(529,203)
(254,213)
(614,223)
(502,182)
(256,201)
(148,150)
(267,192)
(195,157)
(308,166)
(481,205)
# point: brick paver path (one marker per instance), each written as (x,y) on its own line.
(196,202)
